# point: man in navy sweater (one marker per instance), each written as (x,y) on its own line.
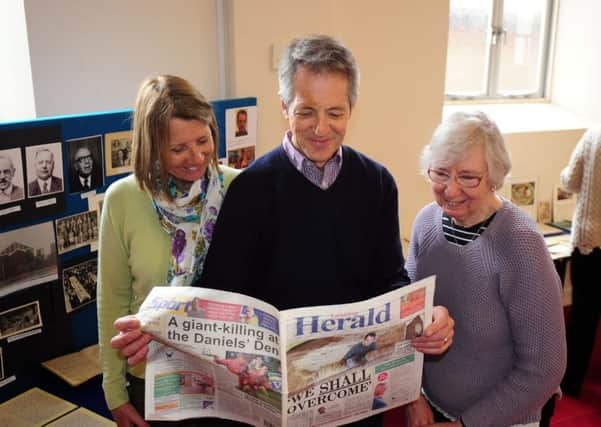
(314,222)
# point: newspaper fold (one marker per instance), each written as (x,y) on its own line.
(227,355)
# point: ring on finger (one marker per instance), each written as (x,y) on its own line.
(446,339)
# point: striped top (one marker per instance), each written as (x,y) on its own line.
(461,236)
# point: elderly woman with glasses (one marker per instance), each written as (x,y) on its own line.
(495,275)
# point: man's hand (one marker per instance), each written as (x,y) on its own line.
(437,337)
(131,341)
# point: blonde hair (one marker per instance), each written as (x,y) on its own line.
(159,100)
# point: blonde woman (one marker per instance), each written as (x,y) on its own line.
(157,224)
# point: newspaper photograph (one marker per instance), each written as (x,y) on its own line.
(227,355)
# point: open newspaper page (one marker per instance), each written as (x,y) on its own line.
(347,362)
(222,357)
(222,354)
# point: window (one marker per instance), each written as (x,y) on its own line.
(498,48)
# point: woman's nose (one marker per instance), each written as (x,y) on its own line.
(197,153)
(452,187)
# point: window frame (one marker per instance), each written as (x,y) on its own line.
(491,77)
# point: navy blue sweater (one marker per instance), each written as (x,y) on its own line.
(282,239)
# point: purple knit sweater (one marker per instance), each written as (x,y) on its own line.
(509,353)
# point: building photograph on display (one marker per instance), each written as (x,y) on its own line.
(86,171)
(20,319)
(118,152)
(77,230)
(44,169)
(79,284)
(27,257)
(12,187)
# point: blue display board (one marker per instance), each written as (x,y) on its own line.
(40,321)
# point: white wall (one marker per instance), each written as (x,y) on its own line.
(16,95)
(89,56)
(576,84)
(400,47)
(541,156)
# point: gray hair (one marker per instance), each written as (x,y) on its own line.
(460,131)
(321,54)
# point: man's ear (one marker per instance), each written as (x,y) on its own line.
(284,108)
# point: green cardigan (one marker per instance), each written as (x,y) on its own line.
(133,256)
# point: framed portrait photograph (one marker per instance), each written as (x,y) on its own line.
(118,152)
(27,257)
(77,230)
(20,319)
(86,170)
(523,194)
(79,283)
(240,126)
(12,187)
(44,169)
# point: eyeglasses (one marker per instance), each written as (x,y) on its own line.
(443,177)
(84,159)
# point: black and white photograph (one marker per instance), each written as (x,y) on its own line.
(44,169)
(75,231)
(12,188)
(118,154)
(79,284)
(27,257)
(95,204)
(86,171)
(20,319)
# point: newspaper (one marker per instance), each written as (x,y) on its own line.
(227,355)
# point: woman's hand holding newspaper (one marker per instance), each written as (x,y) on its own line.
(131,341)
(438,336)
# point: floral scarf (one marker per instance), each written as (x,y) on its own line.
(190,220)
